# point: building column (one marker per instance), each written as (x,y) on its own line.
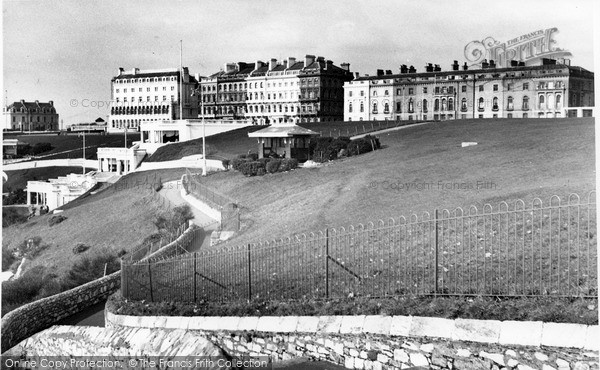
(261,149)
(28,197)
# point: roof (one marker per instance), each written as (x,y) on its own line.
(474,71)
(280,130)
(31,105)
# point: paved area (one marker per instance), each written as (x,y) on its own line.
(172,191)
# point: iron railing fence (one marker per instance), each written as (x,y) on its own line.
(539,250)
(229,208)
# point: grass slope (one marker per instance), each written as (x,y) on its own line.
(519,158)
(18,179)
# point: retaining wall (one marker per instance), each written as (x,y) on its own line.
(393,342)
(91,164)
(36,316)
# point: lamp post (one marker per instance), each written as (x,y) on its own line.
(197,91)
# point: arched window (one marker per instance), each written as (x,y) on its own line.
(362,107)
(444,104)
(550,102)
(558,101)
(463,104)
(399,107)
(495,103)
(436,105)
(350,107)
(374,107)
(542,100)
(386,108)
(450,104)
(424,105)
(525,103)
(411,107)
(481,104)
(510,105)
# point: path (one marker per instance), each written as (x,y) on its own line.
(172,191)
(390,129)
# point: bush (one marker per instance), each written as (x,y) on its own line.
(252,156)
(264,161)
(17,196)
(11,216)
(318,148)
(237,163)
(261,172)
(8,258)
(288,164)
(38,148)
(89,268)
(360,146)
(30,248)
(251,168)
(26,288)
(225,163)
(56,219)
(80,248)
(273,165)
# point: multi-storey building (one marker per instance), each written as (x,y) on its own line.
(519,91)
(265,93)
(150,95)
(30,116)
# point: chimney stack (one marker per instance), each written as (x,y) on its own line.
(412,70)
(455,65)
(380,72)
(120,71)
(229,67)
(272,64)
(403,68)
(429,67)
(437,68)
(465,66)
(345,66)
(388,71)
(492,64)
(485,64)
(328,64)
(291,62)
(308,60)
(514,63)
(51,102)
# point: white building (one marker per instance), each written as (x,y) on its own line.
(141,96)
(120,160)
(57,192)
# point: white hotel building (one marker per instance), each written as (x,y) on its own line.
(139,96)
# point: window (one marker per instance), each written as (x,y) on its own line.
(495,103)
(362,107)
(495,87)
(411,91)
(374,107)
(362,93)
(509,87)
(350,93)
(481,104)
(481,88)
(463,88)
(399,107)
(510,103)
(444,103)
(374,92)
(424,105)
(425,90)
(525,102)
(398,91)
(558,101)
(526,86)
(436,105)
(386,108)
(350,107)
(450,104)
(411,107)
(542,101)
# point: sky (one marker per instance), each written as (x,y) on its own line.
(68,50)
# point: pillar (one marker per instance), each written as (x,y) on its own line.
(288,148)
(261,149)
(28,197)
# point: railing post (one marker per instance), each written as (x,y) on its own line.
(150,282)
(249,276)
(124,292)
(326,263)
(195,276)
(435,270)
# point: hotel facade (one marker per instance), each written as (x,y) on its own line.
(31,116)
(139,96)
(545,91)
(290,91)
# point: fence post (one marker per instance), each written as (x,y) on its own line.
(195,275)
(249,276)
(435,270)
(326,263)
(124,292)
(150,282)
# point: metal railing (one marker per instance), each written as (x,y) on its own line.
(539,250)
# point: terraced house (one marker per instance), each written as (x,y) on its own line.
(290,91)
(30,116)
(552,89)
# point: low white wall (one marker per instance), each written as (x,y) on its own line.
(184,162)
(202,207)
(91,164)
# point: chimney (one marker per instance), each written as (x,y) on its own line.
(356,75)
(485,64)
(120,71)
(403,68)
(51,102)
(548,61)
(429,67)
(258,64)
(345,66)
(285,65)
(465,66)
(514,63)
(437,68)
(272,64)
(291,61)
(455,65)
(37,102)
(308,60)
(412,70)
(388,71)
(521,64)
(320,59)
(22,101)
(135,71)
(492,64)
(380,72)
(229,67)
(328,64)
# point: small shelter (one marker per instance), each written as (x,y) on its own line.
(285,140)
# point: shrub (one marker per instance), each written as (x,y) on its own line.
(273,165)
(17,196)
(8,258)
(26,288)
(241,156)
(237,163)
(251,168)
(288,164)
(261,171)
(91,267)
(12,216)
(38,148)
(56,219)
(30,248)
(264,161)
(225,163)
(374,140)
(252,156)
(80,248)
(318,148)
(359,146)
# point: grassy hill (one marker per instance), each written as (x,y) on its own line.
(421,168)
(18,179)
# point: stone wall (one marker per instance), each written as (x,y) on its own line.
(393,342)
(36,316)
